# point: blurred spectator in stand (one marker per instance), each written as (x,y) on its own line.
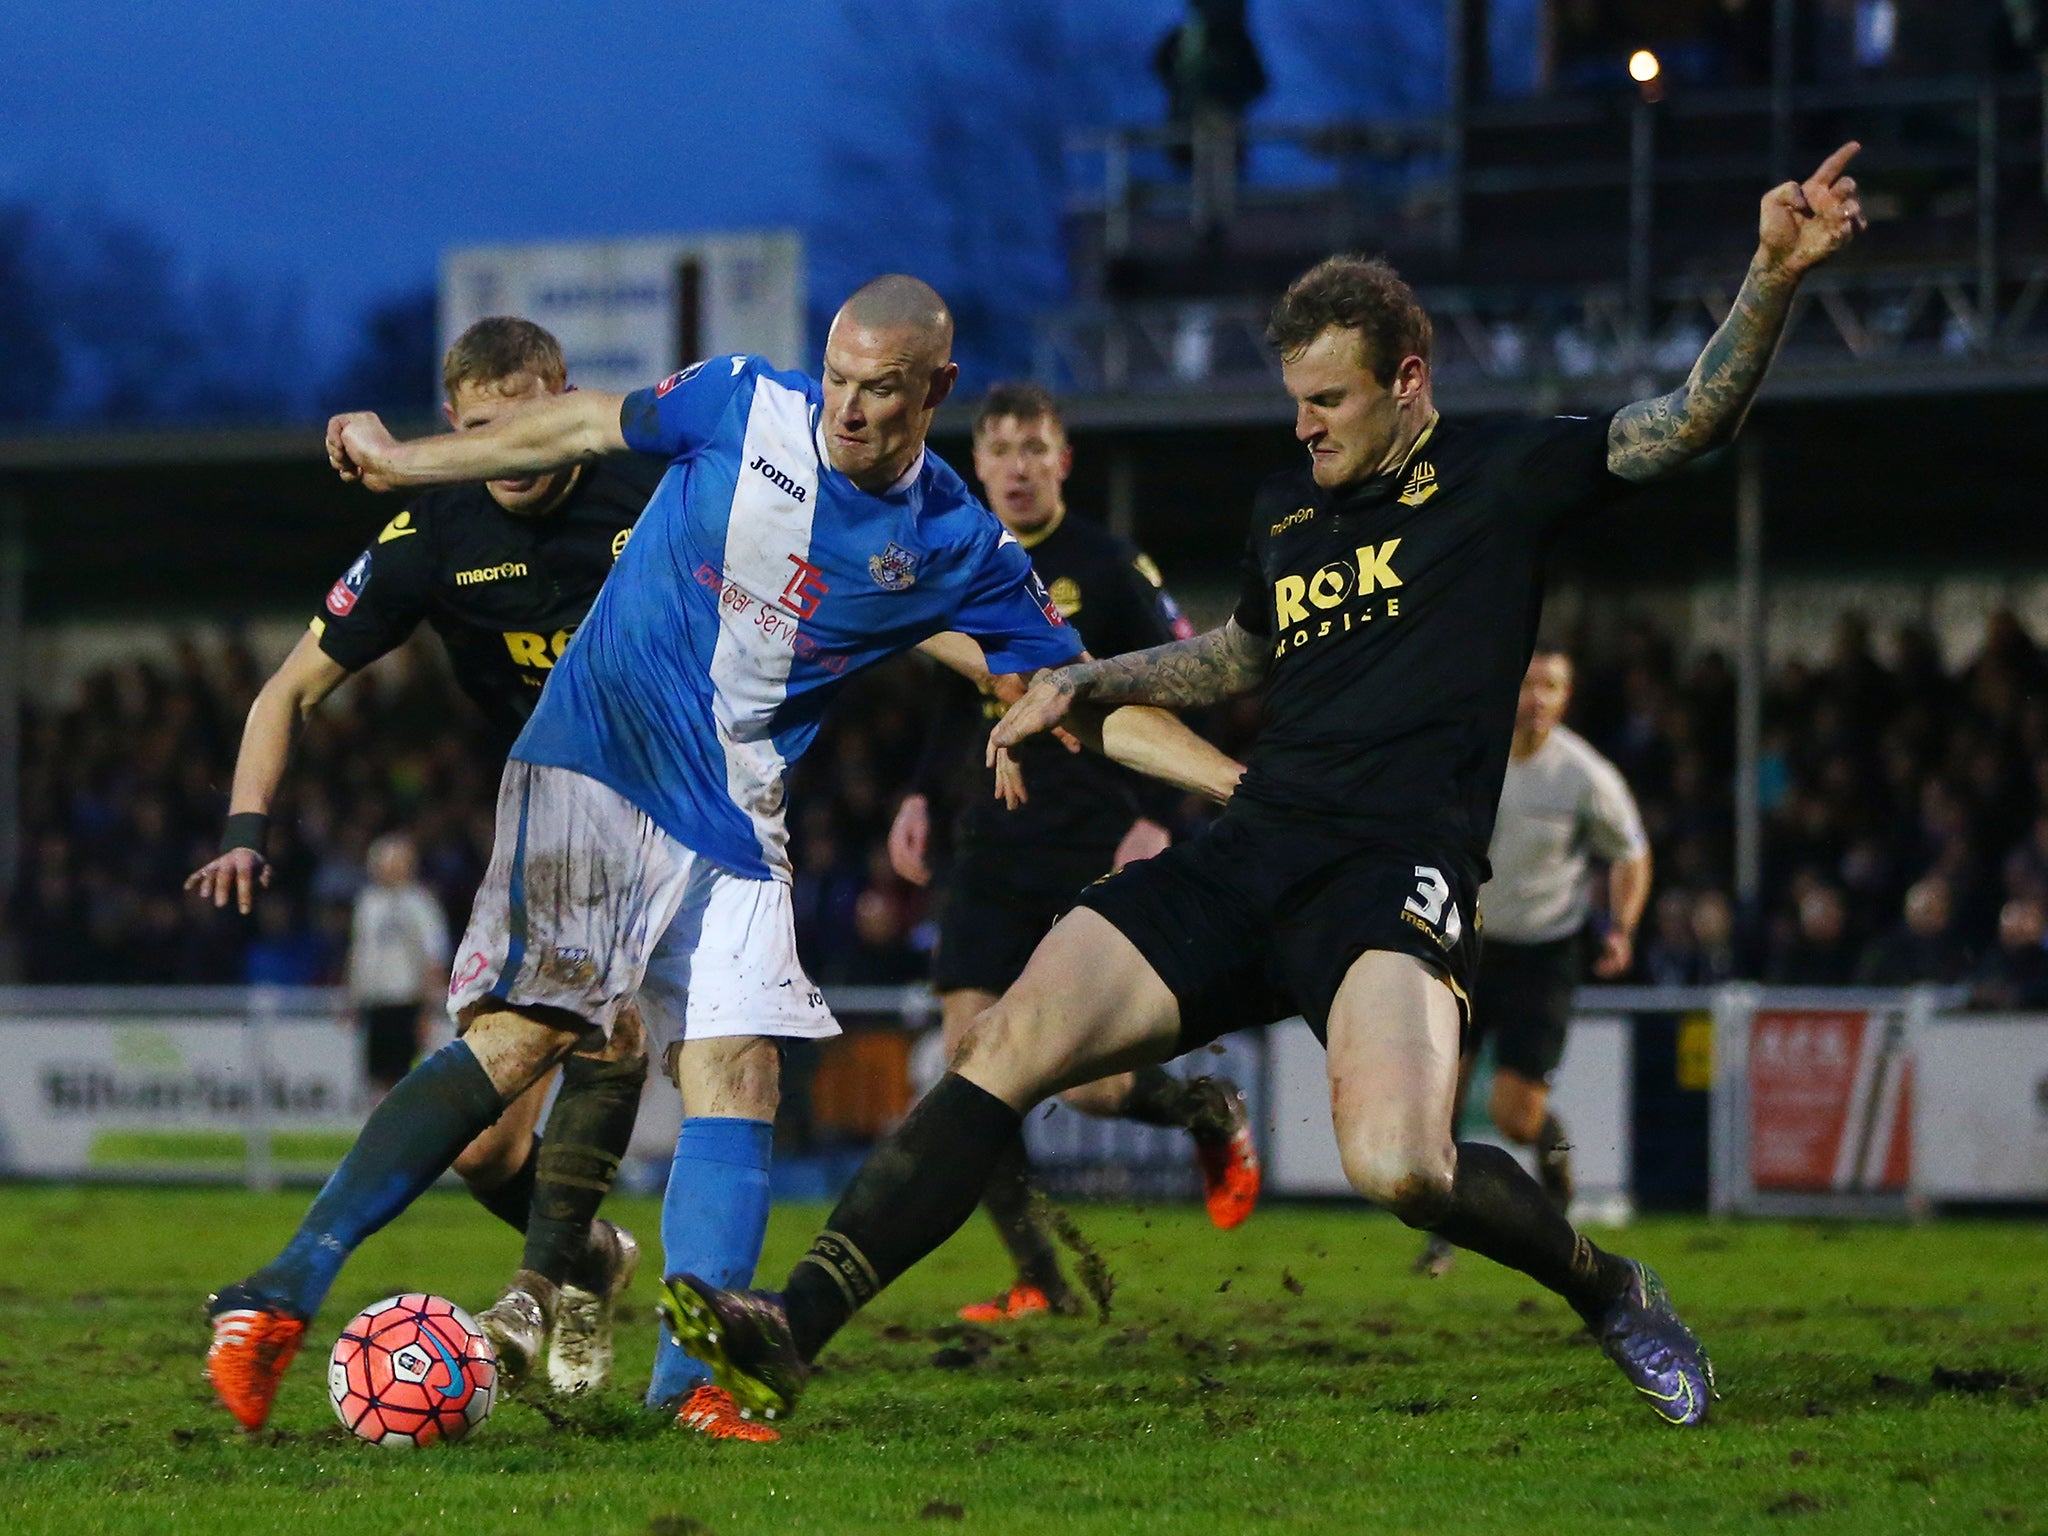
(825,890)
(2015,973)
(2026,863)
(1713,930)
(285,952)
(397,959)
(1817,953)
(1672,957)
(1880,767)
(1924,947)
(884,956)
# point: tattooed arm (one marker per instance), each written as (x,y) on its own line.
(1219,664)
(1802,224)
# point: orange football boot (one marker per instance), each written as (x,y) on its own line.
(1228,1156)
(253,1343)
(1020,1300)
(711,1411)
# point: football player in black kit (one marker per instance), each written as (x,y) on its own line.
(1016,870)
(1390,602)
(503,572)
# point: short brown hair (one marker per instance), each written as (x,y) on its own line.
(1017,400)
(500,347)
(1353,293)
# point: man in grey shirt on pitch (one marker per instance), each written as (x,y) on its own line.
(1562,807)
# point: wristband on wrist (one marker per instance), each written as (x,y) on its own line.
(246,829)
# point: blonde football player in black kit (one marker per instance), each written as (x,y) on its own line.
(1390,599)
(496,569)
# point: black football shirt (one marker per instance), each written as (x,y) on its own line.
(1114,598)
(1402,611)
(504,592)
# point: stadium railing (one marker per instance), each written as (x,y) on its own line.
(1629,202)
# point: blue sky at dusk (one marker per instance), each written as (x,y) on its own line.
(336,151)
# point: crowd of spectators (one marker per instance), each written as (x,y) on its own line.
(1905,834)
(1905,839)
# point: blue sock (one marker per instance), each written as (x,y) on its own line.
(713,1219)
(409,1141)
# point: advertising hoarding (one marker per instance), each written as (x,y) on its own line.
(630,312)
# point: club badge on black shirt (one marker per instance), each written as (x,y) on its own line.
(1402,611)
(503,592)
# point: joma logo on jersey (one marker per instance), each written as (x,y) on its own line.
(1298,515)
(1370,571)
(1421,485)
(782,480)
(482,573)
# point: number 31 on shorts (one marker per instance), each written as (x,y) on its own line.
(1431,899)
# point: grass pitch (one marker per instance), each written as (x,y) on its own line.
(1289,1375)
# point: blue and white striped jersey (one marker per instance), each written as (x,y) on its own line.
(759,579)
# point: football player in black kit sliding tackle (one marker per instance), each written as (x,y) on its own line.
(1017,869)
(1390,602)
(503,572)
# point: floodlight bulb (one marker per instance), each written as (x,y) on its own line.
(1643,66)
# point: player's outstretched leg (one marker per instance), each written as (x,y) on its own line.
(1015,1202)
(714,1215)
(1086,1003)
(409,1141)
(916,1189)
(574,1265)
(1393,1033)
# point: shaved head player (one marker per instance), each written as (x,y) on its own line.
(800,533)
(1391,591)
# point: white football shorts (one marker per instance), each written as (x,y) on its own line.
(588,905)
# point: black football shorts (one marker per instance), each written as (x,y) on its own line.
(999,903)
(1524,1003)
(1249,922)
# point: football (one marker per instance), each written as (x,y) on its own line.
(412,1370)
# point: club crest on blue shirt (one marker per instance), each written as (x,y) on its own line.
(894,568)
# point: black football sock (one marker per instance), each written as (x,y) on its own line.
(512,1201)
(917,1188)
(589,1130)
(1157,1097)
(1497,1210)
(1010,1201)
(1554,1162)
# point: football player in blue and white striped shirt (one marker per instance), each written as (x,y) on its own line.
(801,533)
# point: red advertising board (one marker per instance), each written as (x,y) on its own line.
(1830,1101)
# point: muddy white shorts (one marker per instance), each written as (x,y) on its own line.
(588,905)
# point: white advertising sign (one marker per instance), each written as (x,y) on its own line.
(1592,1094)
(150,1095)
(1980,1108)
(630,312)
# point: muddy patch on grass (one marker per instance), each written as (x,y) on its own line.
(1794,1503)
